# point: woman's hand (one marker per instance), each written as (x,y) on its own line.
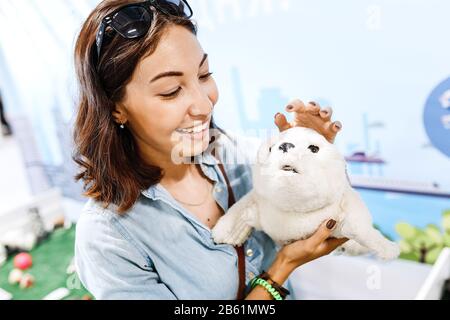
(309,116)
(296,254)
(319,244)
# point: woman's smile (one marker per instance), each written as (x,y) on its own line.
(197,132)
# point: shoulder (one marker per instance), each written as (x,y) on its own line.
(94,222)
(99,230)
(109,263)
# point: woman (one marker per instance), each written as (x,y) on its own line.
(146,102)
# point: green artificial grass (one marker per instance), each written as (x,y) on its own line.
(50,261)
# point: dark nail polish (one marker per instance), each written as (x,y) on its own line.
(290,107)
(331,223)
(313,103)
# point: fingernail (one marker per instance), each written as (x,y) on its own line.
(277,115)
(313,103)
(290,107)
(338,125)
(331,223)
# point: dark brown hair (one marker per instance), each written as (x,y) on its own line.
(111,168)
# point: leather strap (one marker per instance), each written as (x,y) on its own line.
(239,249)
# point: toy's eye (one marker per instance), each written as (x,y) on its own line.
(314,149)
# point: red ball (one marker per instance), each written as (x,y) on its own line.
(23,261)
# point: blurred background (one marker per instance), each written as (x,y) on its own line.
(383,66)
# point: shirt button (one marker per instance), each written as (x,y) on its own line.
(251,275)
(218,189)
(249,252)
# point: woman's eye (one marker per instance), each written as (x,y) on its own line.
(206,76)
(176,92)
(314,149)
(172,94)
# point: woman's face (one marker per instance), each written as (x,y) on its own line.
(169,101)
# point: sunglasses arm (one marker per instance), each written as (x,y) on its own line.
(99,39)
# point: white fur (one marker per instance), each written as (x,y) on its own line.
(289,206)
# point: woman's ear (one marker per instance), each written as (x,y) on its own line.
(119,114)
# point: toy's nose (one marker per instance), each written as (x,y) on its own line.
(286,146)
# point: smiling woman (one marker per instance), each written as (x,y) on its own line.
(145,101)
(136,107)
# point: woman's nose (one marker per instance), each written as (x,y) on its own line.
(201,104)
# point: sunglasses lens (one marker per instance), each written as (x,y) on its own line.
(132,22)
(175,7)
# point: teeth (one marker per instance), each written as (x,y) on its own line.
(185,130)
(192,130)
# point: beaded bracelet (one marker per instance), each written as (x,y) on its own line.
(283,291)
(258,281)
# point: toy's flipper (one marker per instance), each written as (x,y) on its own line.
(236,225)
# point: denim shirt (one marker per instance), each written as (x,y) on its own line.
(159,250)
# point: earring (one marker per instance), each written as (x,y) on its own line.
(122,126)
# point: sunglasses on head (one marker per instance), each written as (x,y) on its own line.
(133,21)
